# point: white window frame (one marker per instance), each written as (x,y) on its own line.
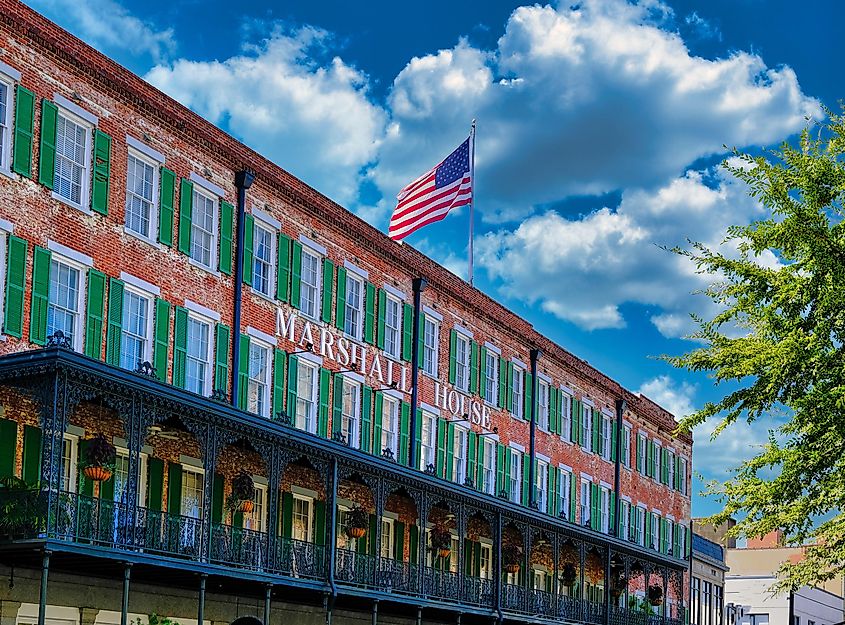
(566,416)
(670,469)
(208,194)
(683,476)
(209,359)
(85,187)
(79,323)
(541,484)
(485,565)
(387,541)
(463,366)
(642,458)
(430,362)
(353,436)
(491,378)
(260,224)
(625,521)
(154,207)
(515,477)
(7,124)
(309,422)
(267,382)
(543,393)
(607,433)
(318,261)
(459,461)
(390,408)
(309,503)
(642,511)
(197,471)
(655,531)
(393,346)
(655,461)
(488,447)
(149,339)
(358,307)
(587,426)
(564,487)
(518,392)
(142,474)
(626,446)
(71,477)
(605,509)
(428,449)
(584,512)
(249,520)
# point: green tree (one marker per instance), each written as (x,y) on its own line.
(779,344)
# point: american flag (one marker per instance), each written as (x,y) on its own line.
(430,197)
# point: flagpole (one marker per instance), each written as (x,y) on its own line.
(472,202)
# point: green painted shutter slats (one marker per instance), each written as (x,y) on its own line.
(337,405)
(407,331)
(611,525)
(640,453)
(102,173)
(174,488)
(328,279)
(279,361)
(186,209)
(509,388)
(413,544)
(526,479)
(404,432)
(47,147)
(573,492)
(24,126)
(293,362)
(399,541)
(366,419)
(8,445)
(31,469)
(597,432)
(503,383)
(453,341)
(217,499)
(243,372)
(614,442)
(648,531)
(115,322)
(295,273)
(473,367)
(440,456)
(15,286)
(283,268)
(450,451)
(166,194)
(323,414)
(369,312)
(155,483)
(85,486)
(372,534)
(528,395)
(226,245)
(552,505)
(575,421)
(162,338)
(380,317)
(180,346)
(221,357)
(287,515)
(94,305)
(500,468)
(472,457)
(378,410)
(319,522)
(40,296)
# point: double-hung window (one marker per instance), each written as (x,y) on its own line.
(587,426)
(543,405)
(485,566)
(65,300)
(626,446)
(489,457)
(137,329)
(462,357)
(683,475)
(392,327)
(604,524)
(7,87)
(258,382)
(198,361)
(70,445)
(541,484)
(655,462)
(564,487)
(353,323)
(669,545)
(263,253)
(516,476)
(121,478)
(585,502)
(641,516)
(192,492)
(517,391)
(306,396)
(459,453)
(387,537)
(670,467)
(350,415)
(72,170)
(309,290)
(431,337)
(606,437)
(642,450)
(625,520)
(565,415)
(655,531)
(204,228)
(301,517)
(390,425)
(141,195)
(257,519)
(491,377)
(428,444)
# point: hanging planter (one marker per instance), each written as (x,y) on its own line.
(247,506)
(655,595)
(618,581)
(511,556)
(98,459)
(241,499)
(357,520)
(441,541)
(569,575)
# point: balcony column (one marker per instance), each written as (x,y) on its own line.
(209,463)
(582,596)
(625,610)
(497,566)
(555,580)
(331,539)
(461,527)
(136,435)
(274,484)
(528,577)
(42,596)
(124,604)
(52,398)
(665,594)
(267,592)
(201,600)
(420,555)
(379,499)
(607,585)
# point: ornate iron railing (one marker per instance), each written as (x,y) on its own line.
(397,576)
(239,547)
(297,558)
(442,585)
(354,569)
(514,598)
(478,591)
(542,603)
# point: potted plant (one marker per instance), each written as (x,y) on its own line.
(243,493)
(511,556)
(23,510)
(655,595)
(357,520)
(98,459)
(569,575)
(441,541)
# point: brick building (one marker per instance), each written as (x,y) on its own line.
(249,349)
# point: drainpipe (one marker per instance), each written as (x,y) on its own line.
(243,181)
(418,286)
(532,494)
(620,438)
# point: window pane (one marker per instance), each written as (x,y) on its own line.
(258,381)
(71,140)
(198,355)
(139,195)
(262,260)
(63,300)
(203,229)
(309,287)
(134,334)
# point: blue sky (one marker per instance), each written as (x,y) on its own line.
(601,125)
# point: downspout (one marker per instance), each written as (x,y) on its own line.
(418,286)
(532,494)
(243,181)
(621,406)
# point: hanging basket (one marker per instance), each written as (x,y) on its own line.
(247,506)
(512,567)
(97,474)
(356,532)
(444,552)
(655,595)
(569,575)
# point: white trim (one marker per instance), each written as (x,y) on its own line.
(303,492)
(545,378)
(261,480)
(462,330)
(72,107)
(267,218)
(586,476)
(7,226)
(352,375)
(313,245)
(565,467)
(490,435)
(670,517)
(642,505)
(191,462)
(363,273)
(542,457)
(208,185)
(75,430)
(627,423)
(391,392)
(309,357)
(138,283)
(202,310)
(430,409)
(625,498)
(144,149)
(10,71)
(261,336)
(492,348)
(587,402)
(428,310)
(607,412)
(567,390)
(195,263)
(657,512)
(395,292)
(519,363)
(70,254)
(605,485)
(516,446)
(672,449)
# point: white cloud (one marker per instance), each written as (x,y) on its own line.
(108,25)
(677,400)
(312,117)
(582,101)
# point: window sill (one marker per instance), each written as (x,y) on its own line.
(8,173)
(206,268)
(432,376)
(83,209)
(141,237)
(263,296)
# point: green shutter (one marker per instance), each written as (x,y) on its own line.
(180,346)
(509,388)
(382,311)
(291,400)
(319,522)
(295,273)
(399,541)
(614,440)
(337,405)
(473,367)
(404,425)
(102,173)
(279,358)
(283,268)
(378,401)
(115,322)
(221,357)
(526,480)
(371,534)
(407,331)
(8,446)
(323,414)
(47,149)
(413,544)
(527,395)
(162,338)
(419,424)
(573,493)
(453,341)
(369,312)
(24,126)
(40,296)
(500,468)
(575,421)
(287,515)
(440,455)
(174,488)
(155,483)
(85,486)
(167,191)
(224,244)
(217,499)
(648,530)
(611,524)
(15,286)
(366,419)
(186,209)
(552,506)
(503,383)
(249,239)
(328,278)
(243,372)
(95,302)
(450,452)
(640,453)
(597,432)
(31,469)
(472,456)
